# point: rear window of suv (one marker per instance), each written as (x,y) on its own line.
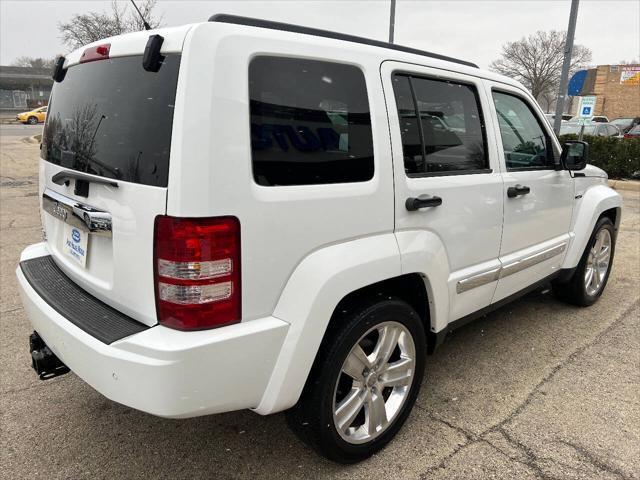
(310,122)
(113,119)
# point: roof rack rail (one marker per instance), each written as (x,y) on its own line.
(288,27)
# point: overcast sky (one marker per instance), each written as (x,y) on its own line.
(474,30)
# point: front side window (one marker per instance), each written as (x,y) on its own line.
(524,141)
(441,126)
(310,122)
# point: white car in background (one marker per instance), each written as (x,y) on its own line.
(592,129)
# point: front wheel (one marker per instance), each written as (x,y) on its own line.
(32,121)
(592,273)
(364,382)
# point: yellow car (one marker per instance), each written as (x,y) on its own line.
(34,116)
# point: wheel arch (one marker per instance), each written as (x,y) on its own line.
(411,288)
(613,214)
(341,273)
(596,202)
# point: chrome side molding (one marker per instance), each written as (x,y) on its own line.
(77,214)
(479,279)
(531,260)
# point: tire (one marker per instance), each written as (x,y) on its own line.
(328,386)
(32,120)
(578,291)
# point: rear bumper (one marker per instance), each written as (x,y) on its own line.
(162,371)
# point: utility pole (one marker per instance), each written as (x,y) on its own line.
(392,20)
(564,77)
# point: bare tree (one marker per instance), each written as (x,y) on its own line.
(536,62)
(33,62)
(91,26)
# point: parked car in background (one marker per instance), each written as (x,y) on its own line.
(594,119)
(33,117)
(593,129)
(626,124)
(633,133)
(552,116)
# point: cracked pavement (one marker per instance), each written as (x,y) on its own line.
(537,389)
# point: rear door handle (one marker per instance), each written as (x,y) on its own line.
(423,201)
(517,190)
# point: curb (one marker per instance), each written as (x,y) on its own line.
(631,185)
(9,121)
(33,139)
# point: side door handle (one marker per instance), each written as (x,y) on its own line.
(517,190)
(423,201)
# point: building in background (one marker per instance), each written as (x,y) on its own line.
(23,88)
(616,88)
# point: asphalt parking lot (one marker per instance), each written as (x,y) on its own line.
(538,389)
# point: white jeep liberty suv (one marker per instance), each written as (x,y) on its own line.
(242,214)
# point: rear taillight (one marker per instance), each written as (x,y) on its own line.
(197,272)
(91,54)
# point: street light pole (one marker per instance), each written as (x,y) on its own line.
(392,20)
(564,76)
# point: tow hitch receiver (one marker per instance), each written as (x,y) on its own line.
(43,360)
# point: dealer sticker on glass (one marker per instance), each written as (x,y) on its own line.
(75,243)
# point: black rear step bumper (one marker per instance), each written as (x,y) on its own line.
(79,307)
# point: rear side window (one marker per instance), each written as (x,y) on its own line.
(441,125)
(310,122)
(114,119)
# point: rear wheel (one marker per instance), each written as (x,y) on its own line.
(364,382)
(591,276)
(32,120)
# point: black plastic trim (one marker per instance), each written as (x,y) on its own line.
(288,27)
(449,173)
(530,169)
(76,305)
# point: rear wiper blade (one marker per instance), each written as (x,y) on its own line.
(61,178)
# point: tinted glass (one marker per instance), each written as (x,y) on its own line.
(114,119)
(409,126)
(523,138)
(310,122)
(447,115)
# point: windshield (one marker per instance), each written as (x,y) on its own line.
(114,119)
(575,129)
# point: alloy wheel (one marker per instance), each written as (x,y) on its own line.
(374,382)
(598,262)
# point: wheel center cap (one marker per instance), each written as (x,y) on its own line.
(371,379)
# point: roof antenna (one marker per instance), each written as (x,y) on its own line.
(144,22)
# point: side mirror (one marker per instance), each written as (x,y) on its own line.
(575,155)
